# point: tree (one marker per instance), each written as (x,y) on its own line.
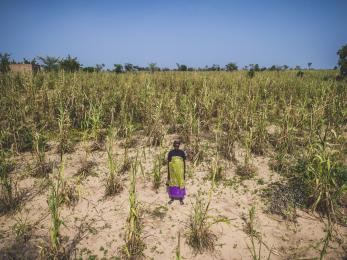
(152,67)
(256,67)
(118,68)
(4,62)
(231,66)
(181,67)
(251,73)
(33,61)
(70,64)
(139,68)
(215,67)
(89,69)
(50,63)
(99,67)
(128,67)
(309,64)
(343,60)
(275,68)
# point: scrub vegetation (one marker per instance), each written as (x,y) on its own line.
(119,125)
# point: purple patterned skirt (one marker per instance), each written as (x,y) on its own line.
(176,193)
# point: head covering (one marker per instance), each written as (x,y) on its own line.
(176,142)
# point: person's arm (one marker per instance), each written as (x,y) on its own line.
(168,171)
(168,167)
(184,174)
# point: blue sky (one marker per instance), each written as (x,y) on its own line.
(195,33)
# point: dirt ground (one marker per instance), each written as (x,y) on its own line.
(94,228)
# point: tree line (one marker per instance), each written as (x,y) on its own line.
(71,64)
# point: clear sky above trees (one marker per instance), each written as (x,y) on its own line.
(195,33)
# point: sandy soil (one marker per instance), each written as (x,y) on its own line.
(95,226)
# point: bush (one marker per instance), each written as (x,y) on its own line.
(4,62)
(343,60)
(324,178)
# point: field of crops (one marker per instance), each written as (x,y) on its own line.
(83,165)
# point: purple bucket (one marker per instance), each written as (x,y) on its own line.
(176,193)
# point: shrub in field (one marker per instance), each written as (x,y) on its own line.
(156,172)
(255,236)
(247,170)
(199,234)
(126,165)
(300,74)
(95,124)
(9,195)
(282,163)
(87,165)
(196,151)
(284,141)
(251,73)
(55,250)
(134,245)
(325,179)
(22,228)
(43,168)
(69,192)
(64,143)
(225,145)
(217,171)
(86,168)
(259,138)
(23,139)
(155,129)
(113,183)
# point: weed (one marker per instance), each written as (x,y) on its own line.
(134,245)
(324,182)
(199,234)
(284,198)
(254,235)
(43,168)
(64,144)
(160,212)
(245,171)
(178,248)
(86,168)
(156,172)
(54,202)
(22,228)
(217,171)
(113,183)
(9,195)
